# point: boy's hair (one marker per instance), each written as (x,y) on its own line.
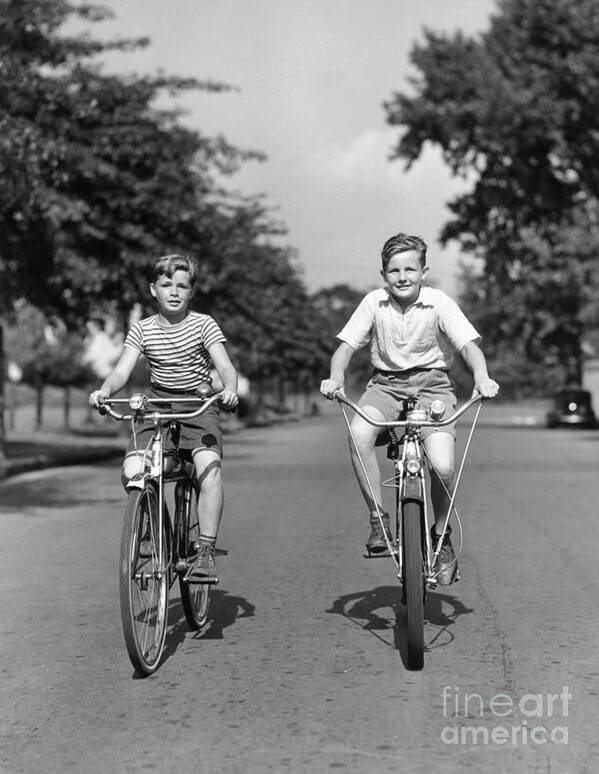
(167,265)
(401,243)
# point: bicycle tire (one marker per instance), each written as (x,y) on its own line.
(195,597)
(144,589)
(413,582)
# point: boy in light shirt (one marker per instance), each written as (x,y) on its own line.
(412,332)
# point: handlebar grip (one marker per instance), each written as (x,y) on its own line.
(102,410)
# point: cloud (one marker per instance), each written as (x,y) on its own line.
(362,159)
(359,197)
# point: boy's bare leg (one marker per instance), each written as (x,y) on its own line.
(208,467)
(365,437)
(440,449)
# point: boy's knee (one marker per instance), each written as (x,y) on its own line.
(364,435)
(444,471)
(212,475)
(208,470)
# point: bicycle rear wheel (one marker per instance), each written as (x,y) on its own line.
(195,597)
(413,581)
(144,580)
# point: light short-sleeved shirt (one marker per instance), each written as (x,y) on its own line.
(178,355)
(424,336)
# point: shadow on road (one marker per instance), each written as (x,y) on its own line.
(224,611)
(367,610)
(30,496)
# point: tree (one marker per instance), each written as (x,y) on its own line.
(516,113)
(334,306)
(100,181)
(97,181)
(96,178)
(47,354)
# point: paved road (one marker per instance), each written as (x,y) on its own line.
(301,668)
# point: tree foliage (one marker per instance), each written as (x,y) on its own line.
(98,181)
(335,305)
(515,111)
(46,352)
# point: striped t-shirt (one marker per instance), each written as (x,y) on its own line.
(178,355)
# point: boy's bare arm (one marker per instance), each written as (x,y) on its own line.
(118,377)
(227,372)
(476,362)
(339,362)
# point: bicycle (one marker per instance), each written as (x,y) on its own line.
(155,551)
(411,548)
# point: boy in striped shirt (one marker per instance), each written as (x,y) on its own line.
(180,347)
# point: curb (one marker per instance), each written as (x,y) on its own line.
(517,421)
(76,455)
(15,466)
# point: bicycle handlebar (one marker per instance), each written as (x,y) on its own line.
(404,422)
(106,408)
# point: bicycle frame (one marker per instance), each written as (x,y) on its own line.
(161,421)
(155,551)
(411,487)
(409,472)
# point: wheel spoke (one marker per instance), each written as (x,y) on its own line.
(195,597)
(144,582)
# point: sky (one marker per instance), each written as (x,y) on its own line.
(311,77)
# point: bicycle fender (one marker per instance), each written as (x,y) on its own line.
(137,482)
(412,490)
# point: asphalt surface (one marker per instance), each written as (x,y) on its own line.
(28,450)
(301,667)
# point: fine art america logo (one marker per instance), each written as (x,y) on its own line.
(535,718)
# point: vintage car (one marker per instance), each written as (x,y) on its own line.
(572,407)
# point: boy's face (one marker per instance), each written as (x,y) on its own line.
(404,275)
(172,294)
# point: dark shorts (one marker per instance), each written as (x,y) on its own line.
(203,432)
(386,393)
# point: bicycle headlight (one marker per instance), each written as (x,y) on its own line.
(413,465)
(138,401)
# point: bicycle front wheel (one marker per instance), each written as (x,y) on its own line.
(195,597)
(413,581)
(144,581)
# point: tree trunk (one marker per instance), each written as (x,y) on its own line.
(282,392)
(39,406)
(2,405)
(259,394)
(67,406)
(11,405)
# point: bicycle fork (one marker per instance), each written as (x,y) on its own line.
(183,503)
(411,487)
(156,470)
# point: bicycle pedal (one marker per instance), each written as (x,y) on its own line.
(217,551)
(380,555)
(208,580)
